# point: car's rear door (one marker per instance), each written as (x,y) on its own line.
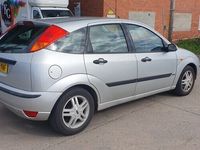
(110,66)
(15,58)
(156,67)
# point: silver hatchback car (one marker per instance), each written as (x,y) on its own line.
(63,70)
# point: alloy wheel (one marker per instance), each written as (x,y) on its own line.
(187,81)
(75,112)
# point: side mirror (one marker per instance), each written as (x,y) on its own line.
(171,48)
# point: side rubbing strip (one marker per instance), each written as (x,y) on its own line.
(138,80)
(154,77)
(121,83)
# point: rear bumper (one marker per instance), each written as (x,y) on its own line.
(18,100)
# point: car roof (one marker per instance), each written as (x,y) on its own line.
(74,23)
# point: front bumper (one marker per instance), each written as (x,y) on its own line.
(18,100)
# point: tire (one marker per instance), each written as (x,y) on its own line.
(180,90)
(73,112)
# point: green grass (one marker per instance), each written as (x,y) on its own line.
(191,44)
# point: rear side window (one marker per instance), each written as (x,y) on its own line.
(20,38)
(72,43)
(108,39)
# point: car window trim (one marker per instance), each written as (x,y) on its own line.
(89,49)
(128,38)
(131,39)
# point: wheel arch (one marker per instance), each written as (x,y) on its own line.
(54,120)
(187,62)
(194,67)
(91,90)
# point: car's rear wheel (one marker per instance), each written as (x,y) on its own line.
(186,82)
(73,112)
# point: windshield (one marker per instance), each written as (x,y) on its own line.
(20,38)
(56,13)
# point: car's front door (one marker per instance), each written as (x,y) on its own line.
(156,67)
(111,68)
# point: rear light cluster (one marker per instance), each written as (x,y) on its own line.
(49,36)
(30,114)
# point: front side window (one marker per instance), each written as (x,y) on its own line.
(72,43)
(144,40)
(108,39)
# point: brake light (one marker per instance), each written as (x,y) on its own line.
(49,36)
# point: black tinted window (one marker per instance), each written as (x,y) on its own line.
(20,37)
(73,43)
(36,14)
(145,40)
(108,39)
(55,13)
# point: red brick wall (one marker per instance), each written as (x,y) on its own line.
(160,7)
(189,6)
(89,7)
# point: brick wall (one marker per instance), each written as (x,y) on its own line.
(89,7)
(161,8)
(189,6)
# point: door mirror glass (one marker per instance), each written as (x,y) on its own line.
(171,48)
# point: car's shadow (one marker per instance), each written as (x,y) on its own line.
(12,124)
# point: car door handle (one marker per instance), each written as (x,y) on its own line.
(100,61)
(146,59)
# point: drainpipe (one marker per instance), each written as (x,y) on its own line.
(116,8)
(171,20)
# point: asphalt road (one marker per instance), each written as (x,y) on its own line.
(160,122)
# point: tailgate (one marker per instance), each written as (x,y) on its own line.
(15,70)
(15,57)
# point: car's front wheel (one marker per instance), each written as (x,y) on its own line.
(186,82)
(73,112)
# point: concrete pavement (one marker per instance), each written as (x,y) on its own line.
(160,122)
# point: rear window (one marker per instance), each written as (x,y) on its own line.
(20,38)
(55,13)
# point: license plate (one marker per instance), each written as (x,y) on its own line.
(3,68)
